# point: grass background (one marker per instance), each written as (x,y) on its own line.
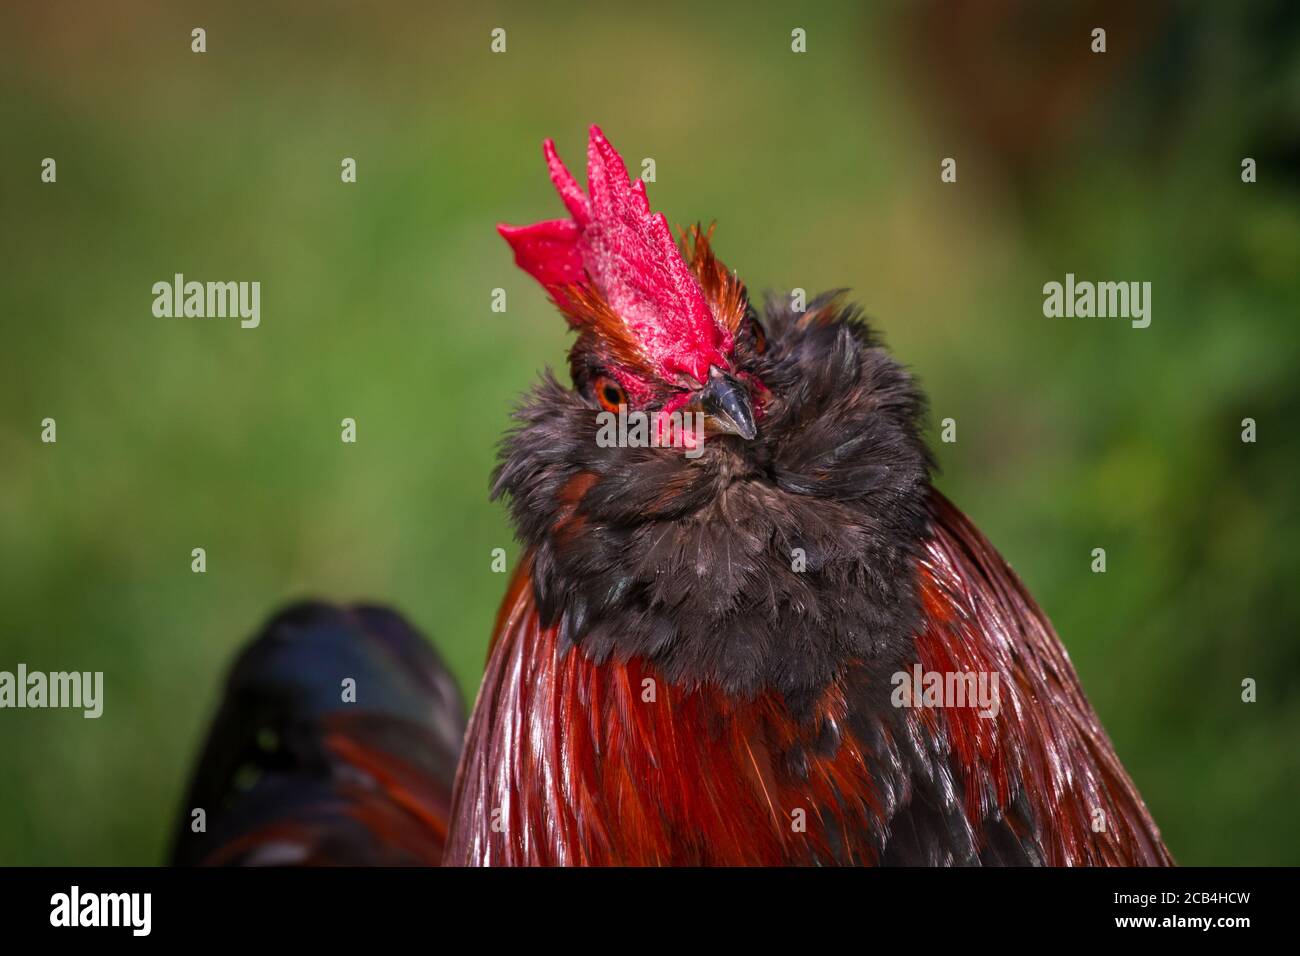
(822,171)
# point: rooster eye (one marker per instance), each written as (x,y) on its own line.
(609,393)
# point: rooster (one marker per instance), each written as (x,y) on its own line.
(335,744)
(766,641)
(718,659)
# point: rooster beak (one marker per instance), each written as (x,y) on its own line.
(726,405)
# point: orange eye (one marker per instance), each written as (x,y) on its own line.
(609,393)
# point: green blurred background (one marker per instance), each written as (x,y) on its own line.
(822,170)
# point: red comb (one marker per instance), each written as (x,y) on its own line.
(615,245)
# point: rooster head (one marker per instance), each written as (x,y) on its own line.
(661,325)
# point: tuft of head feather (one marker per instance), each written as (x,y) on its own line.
(614,270)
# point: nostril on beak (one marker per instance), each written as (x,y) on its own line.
(726,402)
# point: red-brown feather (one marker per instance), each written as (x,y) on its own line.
(979,617)
(566,763)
